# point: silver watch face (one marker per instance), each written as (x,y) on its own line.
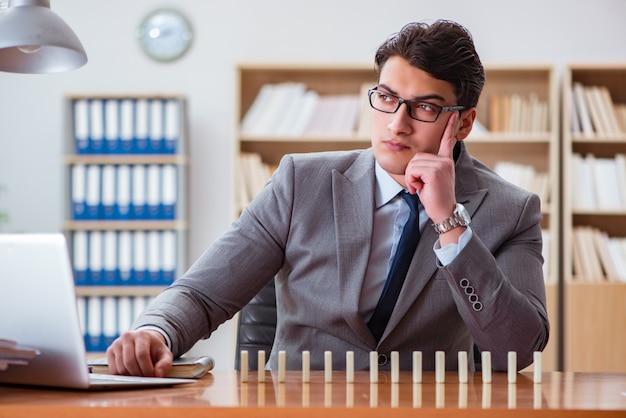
(462,215)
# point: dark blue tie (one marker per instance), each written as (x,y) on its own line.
(399,266)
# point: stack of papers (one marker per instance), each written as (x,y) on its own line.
(12,354)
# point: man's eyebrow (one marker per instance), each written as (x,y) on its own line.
(425,97)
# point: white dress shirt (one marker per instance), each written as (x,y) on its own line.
(390,216)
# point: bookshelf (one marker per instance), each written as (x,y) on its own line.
(518,136)
(594,217)
(270,144)
(125,218)
(531,142)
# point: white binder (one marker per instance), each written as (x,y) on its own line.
(109,258)
(168,191)
(154,258)
(96,126)
(138,202)
(92,195)
(80,257)
(81,126)
(95,258)
(125,257)
(139,258)
(111,126)
(123,193)
(142,126)
(156,126)
(153,191)
(172,126)
(79,190)
(108,191)
(127,126)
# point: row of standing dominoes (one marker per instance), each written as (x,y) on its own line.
(395,366)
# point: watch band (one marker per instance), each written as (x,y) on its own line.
(459,217)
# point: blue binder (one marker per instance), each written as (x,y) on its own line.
(78,191)
(111,126)
(92,194)
(172,126)
(123,193)
(80,257)
(110,266)
(127,126)
(81,126)
(142,127)
(138,189)
(156,144)
(169,192)
(108,194)
(96,126)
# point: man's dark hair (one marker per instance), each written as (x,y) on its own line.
(443,49)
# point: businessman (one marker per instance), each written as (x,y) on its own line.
(409,245)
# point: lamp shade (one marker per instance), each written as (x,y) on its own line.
(33,39)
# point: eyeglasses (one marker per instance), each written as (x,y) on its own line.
(417,109)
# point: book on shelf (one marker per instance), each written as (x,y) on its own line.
(594,113)
(620,114)
(598,257)
(254,175)
(601,241)
(289,109)
(518,113)
(598,117)
(598,183)
(182,367)
(582,110)
(589,262)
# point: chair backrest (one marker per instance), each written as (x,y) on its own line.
(257,326)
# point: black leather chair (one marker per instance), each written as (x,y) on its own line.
(257,326)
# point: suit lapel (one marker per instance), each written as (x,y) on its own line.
(353,200)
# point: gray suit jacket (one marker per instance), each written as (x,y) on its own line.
(311,228)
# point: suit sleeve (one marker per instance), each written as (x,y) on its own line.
(498,285)
(230,272)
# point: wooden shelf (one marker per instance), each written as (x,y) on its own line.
(118,290)
(137,225)
(126,159)
(593,311)
(538,149)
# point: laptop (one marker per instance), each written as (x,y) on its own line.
(38,310)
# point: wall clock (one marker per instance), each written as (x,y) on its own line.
(165,35)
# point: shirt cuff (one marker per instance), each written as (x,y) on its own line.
(447,254)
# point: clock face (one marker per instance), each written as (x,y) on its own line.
(165,35)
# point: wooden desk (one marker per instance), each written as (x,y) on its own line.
(222,395)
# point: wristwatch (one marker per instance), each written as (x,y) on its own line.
(460,217)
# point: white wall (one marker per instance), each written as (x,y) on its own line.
(32,114)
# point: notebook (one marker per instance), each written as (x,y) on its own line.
(38,310)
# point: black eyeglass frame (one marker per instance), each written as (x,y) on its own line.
(400,100)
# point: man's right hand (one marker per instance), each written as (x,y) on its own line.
(140,353)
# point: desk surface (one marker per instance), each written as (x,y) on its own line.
(558,395)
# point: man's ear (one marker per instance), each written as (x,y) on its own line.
(466,121)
